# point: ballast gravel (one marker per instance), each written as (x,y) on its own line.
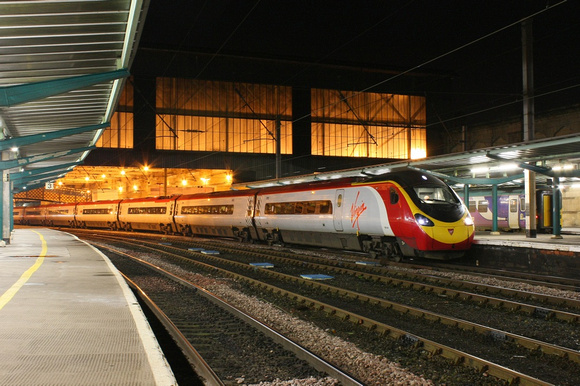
(369,368)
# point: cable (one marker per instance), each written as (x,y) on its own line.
(518,100)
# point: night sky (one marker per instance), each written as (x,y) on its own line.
(474,45)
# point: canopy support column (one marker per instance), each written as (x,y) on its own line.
(556,208)
(495,206)
(6,217)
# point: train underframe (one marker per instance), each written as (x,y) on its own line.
(376,246)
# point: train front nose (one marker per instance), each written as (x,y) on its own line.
(449,236)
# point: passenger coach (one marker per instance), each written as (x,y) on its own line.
(227,214)
(98,214)
(404,213)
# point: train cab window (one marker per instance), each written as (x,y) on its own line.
(394,196)
(513,205)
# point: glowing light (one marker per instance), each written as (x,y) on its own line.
(120,188)
(417,153)
(87,178)
(228,177)
(135,187)
(123,172)
(184,182)
(509,154)
(14,148)
(205,180)
(146,168)
(563,167)
(103,176)
(60,183)
(505,167)
(480,170)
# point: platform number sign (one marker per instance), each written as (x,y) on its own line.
(49,185)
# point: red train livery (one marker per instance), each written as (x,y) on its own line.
(403,213)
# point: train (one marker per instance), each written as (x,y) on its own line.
(511,211)
(399,214)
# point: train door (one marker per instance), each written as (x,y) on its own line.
(250,212)
(522,198)
(513,212)
(337,212)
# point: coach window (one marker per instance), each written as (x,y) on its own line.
(310,207)
(339,201)
(325,208)
(482,207)
(513,205)
(394,196)
(299,208)
(472,206)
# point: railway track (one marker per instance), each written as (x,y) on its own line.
(224,345)
(318,299)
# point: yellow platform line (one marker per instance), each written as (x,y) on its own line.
(9,294)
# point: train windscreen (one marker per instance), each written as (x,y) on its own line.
(433,196)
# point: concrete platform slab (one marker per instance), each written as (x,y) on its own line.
(67,317)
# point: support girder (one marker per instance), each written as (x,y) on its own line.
(33,172)
(45,177)
(18,189)
(539,169)
(9,164)
(42,137)
(28,92)
(471,181)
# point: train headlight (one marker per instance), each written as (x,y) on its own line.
(468,221)
(423,221)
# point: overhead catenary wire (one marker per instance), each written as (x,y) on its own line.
(208,63)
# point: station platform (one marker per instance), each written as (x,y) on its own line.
(570,241)
(542,255)
(67,317)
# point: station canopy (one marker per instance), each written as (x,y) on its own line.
(62,68)
(64,64)
(500,165)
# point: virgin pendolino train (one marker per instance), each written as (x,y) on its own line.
(403,213)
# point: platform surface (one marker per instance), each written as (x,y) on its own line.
(68,318)
(569,241)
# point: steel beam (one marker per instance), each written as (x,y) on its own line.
(28,92)
(31,172)
(47,136)
(45,177)
(470,181)
(9,164)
